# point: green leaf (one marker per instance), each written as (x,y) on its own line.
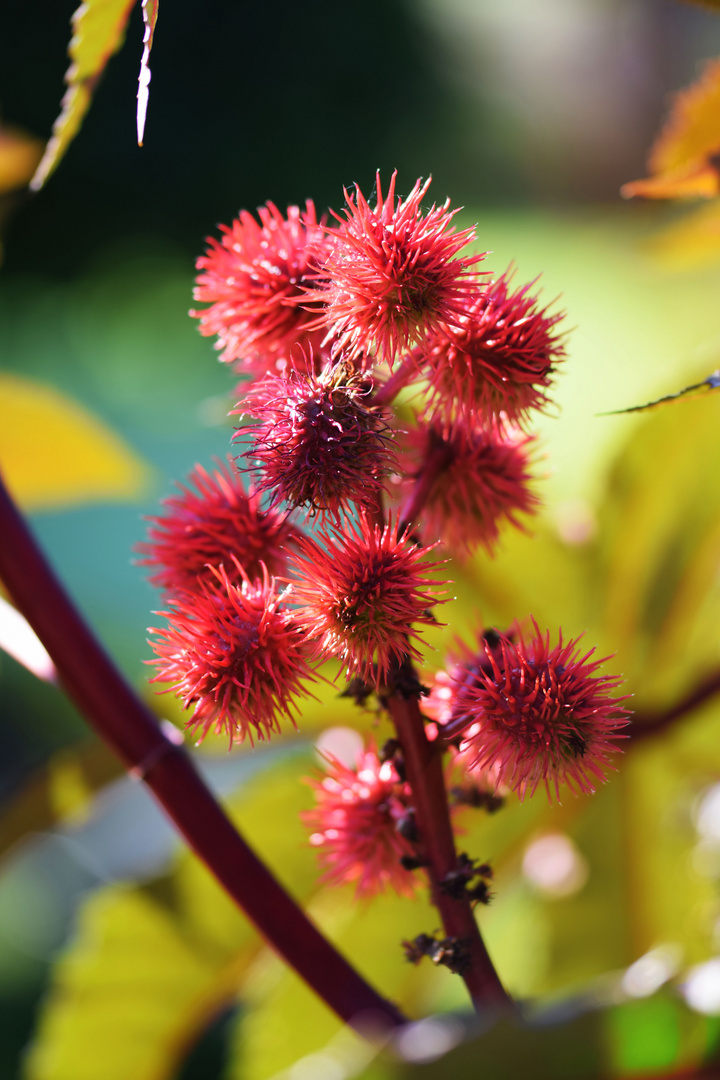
(98,31)
(121,995)
(150,967)
(655,585)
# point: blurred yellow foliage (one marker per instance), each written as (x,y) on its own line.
(19,156)
(680,160)
(53,453)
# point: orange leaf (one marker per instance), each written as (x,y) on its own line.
(695,183)
(680,160)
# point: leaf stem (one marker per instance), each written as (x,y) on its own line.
(129,727)
(424,769)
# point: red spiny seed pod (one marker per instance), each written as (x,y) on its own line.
(214,522)
(236,654)
(320,442)
(357,825)
(391,275)
(496,360)
(535,714)
(462,483)
(360,594)
(254,278)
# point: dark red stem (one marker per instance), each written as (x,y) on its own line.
(654,723)
(130,728)
(437,459)
(424,769)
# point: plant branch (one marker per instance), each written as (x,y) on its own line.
(437,459)
(424,770)
(123,720)
(646,724)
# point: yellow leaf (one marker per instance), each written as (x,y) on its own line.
(679,161)
(53,453)
(98,31)
(19,156)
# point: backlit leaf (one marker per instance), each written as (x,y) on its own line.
(54,453)
(120,993)
(656,587)
(98,31)
(150,967)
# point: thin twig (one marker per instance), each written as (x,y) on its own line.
(132,731)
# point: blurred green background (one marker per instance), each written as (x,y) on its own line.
(118,957)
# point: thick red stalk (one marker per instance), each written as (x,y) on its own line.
(424,769)
(130,728)
(437,459)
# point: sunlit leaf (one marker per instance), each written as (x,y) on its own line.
(150,14)
(19,157)
(98,31)
(680,161)
(54,453)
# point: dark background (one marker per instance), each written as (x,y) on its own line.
(285,100)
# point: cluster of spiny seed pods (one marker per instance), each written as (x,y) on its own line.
(314,542)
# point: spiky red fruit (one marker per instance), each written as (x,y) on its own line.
(391,276)
(235,654)
(320,441)
(360,594)
(214,522)
(254,279)
(531,713)
(356,825)
(464,482)
(497,359)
